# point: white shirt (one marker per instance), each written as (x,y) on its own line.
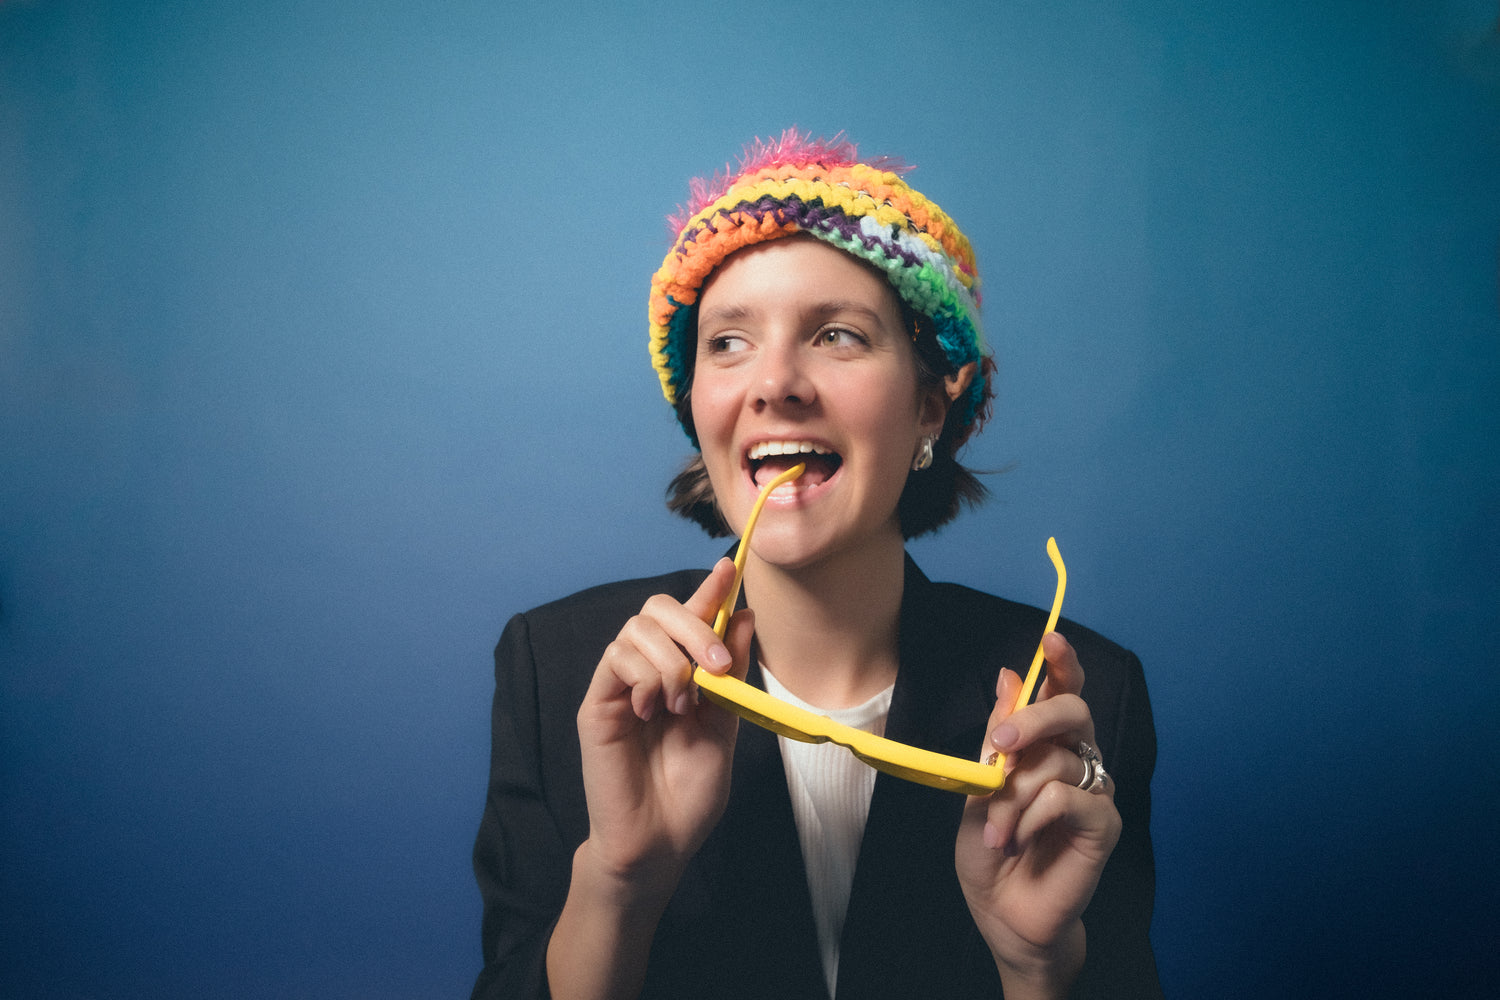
(830,790)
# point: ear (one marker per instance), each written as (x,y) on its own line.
(935,404)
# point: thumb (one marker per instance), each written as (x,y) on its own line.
(725,719)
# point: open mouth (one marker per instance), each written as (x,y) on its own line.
(770,458)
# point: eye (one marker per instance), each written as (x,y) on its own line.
(839,336)
(724,343)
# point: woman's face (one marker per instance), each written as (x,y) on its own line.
(802,356)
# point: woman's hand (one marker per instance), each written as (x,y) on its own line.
(656,778)
(655,760)
(1030,855)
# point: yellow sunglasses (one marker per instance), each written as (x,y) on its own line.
(925,767)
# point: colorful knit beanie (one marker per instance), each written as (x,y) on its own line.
(820,187)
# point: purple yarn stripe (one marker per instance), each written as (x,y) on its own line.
(807,215)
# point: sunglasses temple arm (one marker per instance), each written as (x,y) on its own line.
(1035,673)
(721,620)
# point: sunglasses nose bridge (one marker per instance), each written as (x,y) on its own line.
(791,732)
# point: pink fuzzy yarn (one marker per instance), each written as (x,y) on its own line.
(792,148)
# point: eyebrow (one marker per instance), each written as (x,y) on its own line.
(830,307)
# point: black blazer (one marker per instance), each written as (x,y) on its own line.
(740,923)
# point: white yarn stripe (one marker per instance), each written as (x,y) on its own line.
(940,262)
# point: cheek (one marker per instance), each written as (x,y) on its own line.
(713,408)
(713,421)
(891,414)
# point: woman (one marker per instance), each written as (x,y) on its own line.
(640,841)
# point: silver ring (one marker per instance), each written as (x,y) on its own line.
(1095,778)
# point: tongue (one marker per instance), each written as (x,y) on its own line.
(819,468)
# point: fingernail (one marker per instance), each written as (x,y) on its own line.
(718,656)
(680,706)
(1005,735)
(1007,686)
(991,836)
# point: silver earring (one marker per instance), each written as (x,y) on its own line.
(924,454)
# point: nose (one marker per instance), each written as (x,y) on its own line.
(782,378)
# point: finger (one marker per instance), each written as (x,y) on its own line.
(674,637)
(704,604)
(738,636)
(706,648)
(1064,719)
(1043,763)
(1041,766)
(649,636)
(1093,815)
(688,623)
(1007,689)
(624,672)
(653,655)
(1064,674)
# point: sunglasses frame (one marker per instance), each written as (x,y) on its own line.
(926,767)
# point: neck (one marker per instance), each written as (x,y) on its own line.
(828,631)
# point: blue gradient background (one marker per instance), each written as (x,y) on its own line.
(322,351)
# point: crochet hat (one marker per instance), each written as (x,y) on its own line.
(822,188)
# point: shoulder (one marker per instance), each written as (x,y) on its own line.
(609,600)
(1008,631)
(583,623)
(962,610)
(546,656)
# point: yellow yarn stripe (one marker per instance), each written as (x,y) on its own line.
(858,190)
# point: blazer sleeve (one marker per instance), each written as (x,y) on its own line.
(1120,962)
(535,813)
(521,860)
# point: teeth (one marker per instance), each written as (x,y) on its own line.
(764,448)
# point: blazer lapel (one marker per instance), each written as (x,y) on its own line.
(744,899)
(907,920)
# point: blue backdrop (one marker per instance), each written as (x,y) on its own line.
(322,351)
